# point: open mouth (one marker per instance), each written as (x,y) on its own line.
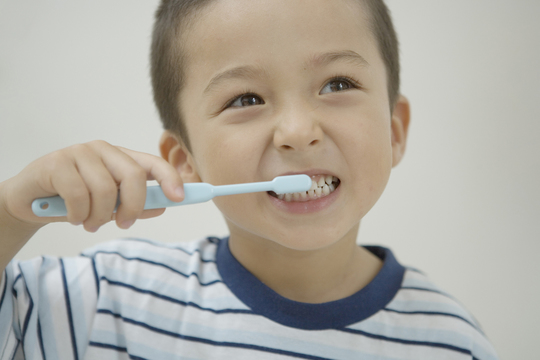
(321,186)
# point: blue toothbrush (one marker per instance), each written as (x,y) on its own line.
(194,193)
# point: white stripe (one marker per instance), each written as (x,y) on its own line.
(410,300)
(414,279)
(201,249)
(416,333)
(53,311)
(207,271)
(27,289)
(82,299)
(7,334)
(145,277)
(49,267)
(97,353)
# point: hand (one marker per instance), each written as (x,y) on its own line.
(88,177)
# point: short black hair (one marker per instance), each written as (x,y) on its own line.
(167,57)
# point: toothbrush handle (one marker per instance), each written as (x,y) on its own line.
(194,193)
(155,199)
(235,189)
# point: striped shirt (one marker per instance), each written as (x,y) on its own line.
(137,299)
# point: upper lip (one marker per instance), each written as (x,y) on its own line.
(310,172)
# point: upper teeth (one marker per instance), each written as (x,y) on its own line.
(321,185)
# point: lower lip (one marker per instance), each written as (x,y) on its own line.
(305,207)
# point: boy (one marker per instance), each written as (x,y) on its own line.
(248,90)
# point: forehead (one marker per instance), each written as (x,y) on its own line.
(266,32)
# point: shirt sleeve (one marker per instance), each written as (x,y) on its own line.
(47,306)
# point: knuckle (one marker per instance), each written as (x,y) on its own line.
(78,194)
(98,143)
(136,173)
(107,191)
(77,148)
(56,161)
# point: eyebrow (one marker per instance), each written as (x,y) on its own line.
(244,71)
(327,58)
(318,60)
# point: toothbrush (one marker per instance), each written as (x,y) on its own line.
(194,193)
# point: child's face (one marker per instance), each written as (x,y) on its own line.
(298,118)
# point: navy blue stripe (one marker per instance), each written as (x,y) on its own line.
(213,239)
(27,318)
(408,342)
(40,338)
(160,265)
(30,308)
(215,343)
(70,316)
(431,313)
(117,348)
(96,278)
(16,350)
(163,246)
(28,315)
(17,279)
(94,270)
(176,301)
(108,346)
(415,270)
(428,290)
(4,290)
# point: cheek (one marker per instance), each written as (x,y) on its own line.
(364,140)
(228,154)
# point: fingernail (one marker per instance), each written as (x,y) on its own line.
(179,191)
(93,229)
(126,224)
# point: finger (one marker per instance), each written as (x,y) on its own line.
(72,188)
(159,169)
(131,178)
(101,185)
(63,178)
(147,214)
(54,174)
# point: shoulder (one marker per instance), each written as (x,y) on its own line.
(415,316)
(122,258)
(435,317)
(419,295)
(141,248)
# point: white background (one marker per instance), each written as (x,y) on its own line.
(463,206)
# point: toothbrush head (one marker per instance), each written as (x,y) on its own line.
(291,184)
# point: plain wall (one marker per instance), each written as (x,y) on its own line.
(463,206)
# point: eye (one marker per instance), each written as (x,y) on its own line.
(245,100)
(338,84)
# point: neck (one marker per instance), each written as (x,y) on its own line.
(311,276)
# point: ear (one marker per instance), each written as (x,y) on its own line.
(175,152)
(400,127)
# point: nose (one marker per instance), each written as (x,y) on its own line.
(297,129)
